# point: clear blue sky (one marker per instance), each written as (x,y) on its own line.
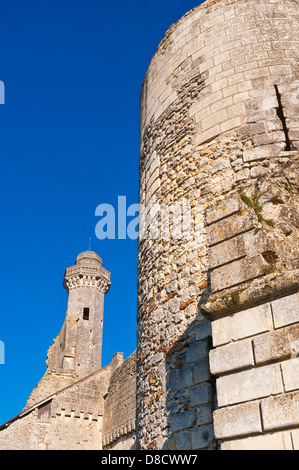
(72,71)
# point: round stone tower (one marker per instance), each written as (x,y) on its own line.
(219,139)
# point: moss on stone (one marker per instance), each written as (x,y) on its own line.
(257,207)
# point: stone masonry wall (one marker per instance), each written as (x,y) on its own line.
(119,428)
(96,412)
(218,126)
(61,433)
(256,343)
(75,419)
(257,367)
(53,380)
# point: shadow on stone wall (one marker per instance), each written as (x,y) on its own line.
(190,387)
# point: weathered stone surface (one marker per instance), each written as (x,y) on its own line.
(197,351)
(280,344)
(238,272)
(203,330)
(290,372)
(227,251)
(120,404)
(286,310)
(183,441)
(252,293)
(231,226)
(201,371)
(185,377)
(276,441)
(231,357)
(258,153)
(237,420)
(183,420)
(201,394)
(249,385)
(204,415)
(202,437)
(223,210)
(281,411)
(240,325)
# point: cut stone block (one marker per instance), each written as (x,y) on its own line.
(242,324)
(249,385)
(275,441)
(237,272)
(237,420)
(258,153)
(290,372)
(222,210)
(231,357)
(227,251)
(286,310)
(276,345)
(280,412)
(236,224)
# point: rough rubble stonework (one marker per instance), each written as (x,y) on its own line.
(216,365)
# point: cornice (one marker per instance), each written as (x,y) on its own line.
(87,276)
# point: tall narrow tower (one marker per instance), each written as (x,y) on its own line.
(81,337)
(77,350)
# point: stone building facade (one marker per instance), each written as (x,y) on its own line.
(217,359)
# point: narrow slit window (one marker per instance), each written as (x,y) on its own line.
(86,313)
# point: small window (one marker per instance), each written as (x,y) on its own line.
(44,411)
(86,313)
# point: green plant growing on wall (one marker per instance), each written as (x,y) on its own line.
(257,207)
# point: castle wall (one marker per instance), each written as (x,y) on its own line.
(73,421)
(256,341)
(257,367)
(53,380)
(219,131)
(59,433)
(119,428)
(96,412)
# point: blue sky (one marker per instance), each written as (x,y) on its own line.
(72,71)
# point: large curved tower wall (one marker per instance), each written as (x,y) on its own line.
(219,131)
